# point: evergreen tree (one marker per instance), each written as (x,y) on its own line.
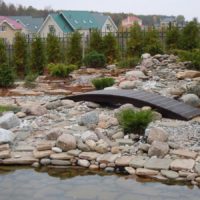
(6,72)
(53,49)
(110,48)
(74,51)
(135,42)
(38,56)
(172,38)
(96,42)
(190,36)
(20,54)
(152,43)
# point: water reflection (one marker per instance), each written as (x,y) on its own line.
(80,184)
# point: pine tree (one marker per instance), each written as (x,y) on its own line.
(53,49)
(3,55)
(74,51)
(110,48)
(20,54)
(37,56)
(96,42)
(135,42)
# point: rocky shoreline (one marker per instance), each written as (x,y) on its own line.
(65,133)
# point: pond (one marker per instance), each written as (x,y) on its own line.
(79,184)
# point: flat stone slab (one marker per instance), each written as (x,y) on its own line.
(23,148)
(146,172)
(4,147)
(170,174)
(74,152)
(61,156)
(130,170)
(61,162)
(157,163)
(42,154)
(182,164)
(197,168)
(184,153)
(123,161)
(125,142)
(107,158)
(89,155)
(5,154)
(46,145)
(138,161)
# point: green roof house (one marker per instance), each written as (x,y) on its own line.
(66,22)
(31,24)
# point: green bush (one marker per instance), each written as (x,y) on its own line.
(129,62)
(3,54)
(134,122)
(7,76)
(96,42)
(193,56)
(6,108)
(101,83)
(94,59)
(60,70)
(30,80)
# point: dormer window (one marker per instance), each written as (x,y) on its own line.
(76,22)
(52,29)
(90,21)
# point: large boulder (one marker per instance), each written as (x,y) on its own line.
(159,149)
(135,74)
(66,142)
(191,99)
(157,134)
(9,120)
(188,74)
(6,136)
(34,109)
(128,85)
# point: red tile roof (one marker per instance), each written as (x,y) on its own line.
(15,25)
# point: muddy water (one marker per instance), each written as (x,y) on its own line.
(78,184)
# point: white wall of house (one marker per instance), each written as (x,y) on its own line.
(45,28)
(109,26)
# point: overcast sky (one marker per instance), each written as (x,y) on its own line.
(188,8)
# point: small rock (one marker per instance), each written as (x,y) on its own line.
(68,103)
(61,156)
(21,114)
(109,169)
(56,150)
(107,158)
(82,146)
(125,142)
(145,172)
(146,56)
(4,147)
(53,105)
(6,136)
(197,168)
(118,135)
(123,161)
(184,153)
(91,144)
(157,134)
(45,145)
(74,152)
(5,154)
(134,74)
(54,134)
(144,147)
(191,99)
(159,149)
(191,177)
(36,165)
(45,161)
(138,161)
(66,142)
(83,163)
(128,85)
(89,135)
(90,118)
(115,150)
(130,170)
(170,174)
(157,164)
(88,155)
(41,154)
(102,148)
(94,167)
(61,162)
(9,120)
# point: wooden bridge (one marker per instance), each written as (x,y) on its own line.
(168,107)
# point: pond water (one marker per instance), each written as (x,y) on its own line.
(68,184)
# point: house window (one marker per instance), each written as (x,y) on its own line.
(108,27)
(52,29)
(2,28)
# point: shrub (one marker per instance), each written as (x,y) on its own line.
(20,54)
(60,70)
(37,56)
(96,42)
(30,80)
(110,48)
(94,59)
(134,122)
(74,51)
(7,76)
(53,49)
(3,55)
(6,108)
(129,62)
(101,83)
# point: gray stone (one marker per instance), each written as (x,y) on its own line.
(9,120)
(88,155)
(144,147)
(90,118)
(61,162)
(134,74)
(45,161)
(107,158)
(66,142)
(91,144)
(146,172)
(109,169)
(146,55)
(68,103)
(123,161)
(118,135)
(89,135)
(6,136)
(159,149)
(82,146)
(157,164)
(83,163)
(170,174)
(102,148)
(127,85)
(191,99)
(157,134)
(125,142)
(5,154)
(54,134)
(74,152)
(53,105)
(182,164)
(138,161)
(197,168)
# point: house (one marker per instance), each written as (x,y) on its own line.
(130,21)
(30,24)
(168,21)
(8,29)
(66,22)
